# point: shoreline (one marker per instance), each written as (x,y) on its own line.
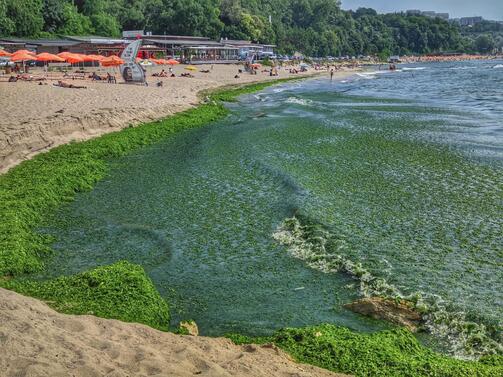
(53,116)
(78,166)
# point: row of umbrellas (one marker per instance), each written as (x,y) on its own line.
(164,61)
(72,58)
(68,57)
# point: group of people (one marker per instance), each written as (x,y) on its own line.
(111,79)
(163,73)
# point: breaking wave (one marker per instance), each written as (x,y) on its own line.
(321,250)
(299,101)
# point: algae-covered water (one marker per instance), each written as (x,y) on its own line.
(404,168)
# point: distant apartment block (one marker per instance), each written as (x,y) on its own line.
(470,21)
(429,13)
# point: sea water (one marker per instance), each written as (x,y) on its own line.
(402,168)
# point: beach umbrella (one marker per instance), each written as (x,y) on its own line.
(111,61)
(155,61)
(64,54)
(256,65)
(191,68)
(85,58)
(4,53)
(22,57)
(46,57)
(73,58)
(95,58)
(172,62)
(25,52)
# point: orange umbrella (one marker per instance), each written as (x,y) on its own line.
(172,62)
(46,57)
(85,58)
(156,61)
(64,54)
(24,52)
(111,61)
(96,58)
(21,57)
(5,53)
(73,58)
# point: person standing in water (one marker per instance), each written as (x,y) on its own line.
(331,74)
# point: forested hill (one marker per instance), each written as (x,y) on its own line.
(314,27)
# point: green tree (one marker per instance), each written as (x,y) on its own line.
(7,27)
(75,23)
(484,44)
(26,17)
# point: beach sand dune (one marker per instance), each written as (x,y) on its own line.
(35,118)
(37,341)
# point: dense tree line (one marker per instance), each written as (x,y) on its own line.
(314,27)
(484,36)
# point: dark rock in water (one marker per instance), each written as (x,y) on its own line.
(398,312)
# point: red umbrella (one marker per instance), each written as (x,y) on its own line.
(46,57)
(5,53)
(172,62)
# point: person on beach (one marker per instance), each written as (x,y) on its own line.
(331,74)
(63,84)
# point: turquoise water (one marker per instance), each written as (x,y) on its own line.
(403,169)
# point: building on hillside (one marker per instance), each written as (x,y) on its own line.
(432,14)
(413,12)
(470,21)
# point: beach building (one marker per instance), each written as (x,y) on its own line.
(81,45)
(192,49)
(189,49)
(247,48)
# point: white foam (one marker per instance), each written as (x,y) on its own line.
(498,66)
(413,68)
(462,338)
(463,67)
(299,101)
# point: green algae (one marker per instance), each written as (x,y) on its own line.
(120,291)
(386,353)
(391,359)
(34,189)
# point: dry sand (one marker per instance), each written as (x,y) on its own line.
(35,118)
(36,341)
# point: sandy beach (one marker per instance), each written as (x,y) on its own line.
(37,341)
(37,117)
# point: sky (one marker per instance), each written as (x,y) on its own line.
(489,9)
